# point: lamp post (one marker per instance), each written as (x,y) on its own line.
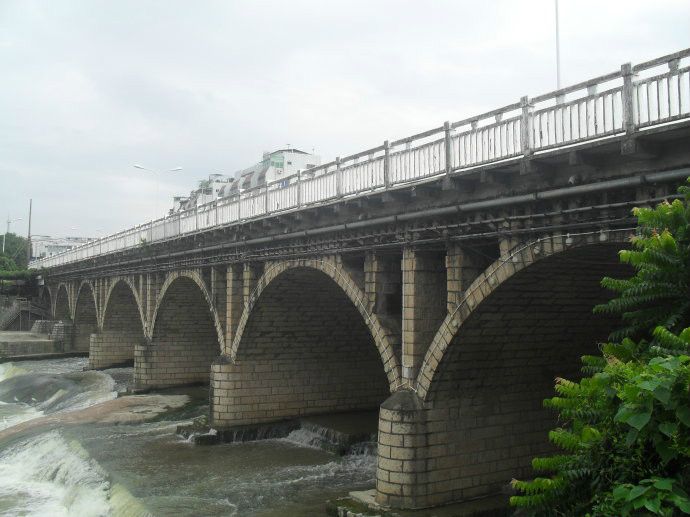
(4,236)
(558,51)
(157,173)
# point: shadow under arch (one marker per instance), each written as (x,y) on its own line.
(347,287)
(46,299)
(85,320)
(122,327)
(62,309)
(185,336)
(306,344)
(525,321)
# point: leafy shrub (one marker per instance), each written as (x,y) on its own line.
(625,429)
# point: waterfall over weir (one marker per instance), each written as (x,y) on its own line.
(72,444)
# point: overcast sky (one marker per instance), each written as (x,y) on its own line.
(89,88)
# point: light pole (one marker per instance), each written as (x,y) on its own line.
(140,167)
(4,236)
(558,51)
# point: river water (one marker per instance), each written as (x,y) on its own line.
(70,447)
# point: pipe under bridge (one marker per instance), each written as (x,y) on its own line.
(445,279)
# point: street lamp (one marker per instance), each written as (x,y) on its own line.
(140,167)
(4,236)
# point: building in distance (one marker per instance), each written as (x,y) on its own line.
(274,166)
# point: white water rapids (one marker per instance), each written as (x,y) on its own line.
(70,447)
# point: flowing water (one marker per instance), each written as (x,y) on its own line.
(70,447)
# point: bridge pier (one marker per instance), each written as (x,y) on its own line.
(110,348)
(423,307)
(184,341)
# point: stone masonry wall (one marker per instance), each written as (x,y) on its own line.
(85,320)
(305,350)
(122,330)
(484,419)
(184,341)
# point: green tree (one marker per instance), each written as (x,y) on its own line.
(625,429)
(7,264)
(15,249)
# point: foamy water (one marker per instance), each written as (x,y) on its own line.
(140,469)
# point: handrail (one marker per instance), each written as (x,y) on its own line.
(515,130)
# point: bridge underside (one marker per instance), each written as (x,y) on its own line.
(483,420)
(304,350)
(122,330)
(184,341)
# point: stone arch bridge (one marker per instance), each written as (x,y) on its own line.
(449,301)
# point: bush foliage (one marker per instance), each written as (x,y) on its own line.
(625,428)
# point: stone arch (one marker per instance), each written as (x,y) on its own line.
(46,298)
(85,316)
(526,320)
(199,281)
(305,344)
(185,335)
(337,274)
(122,326)
(123,283)
(62,306)
(492,279)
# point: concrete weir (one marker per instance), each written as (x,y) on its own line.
(45,340)
(339,433)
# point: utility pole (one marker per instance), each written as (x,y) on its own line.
(28,238)
(558,51)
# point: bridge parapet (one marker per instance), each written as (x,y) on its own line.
(619,104)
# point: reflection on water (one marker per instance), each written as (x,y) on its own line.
(133,469)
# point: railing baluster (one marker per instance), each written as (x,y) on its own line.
(627,99)
(526,127)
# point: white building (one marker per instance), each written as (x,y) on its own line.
(46,246)
(276,165)
(208,190)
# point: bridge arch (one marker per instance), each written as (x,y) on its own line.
(306,344)
(122,290)
(185,336)
(62,307)
(122,326)
(46,297)
(526,320)
(85,321)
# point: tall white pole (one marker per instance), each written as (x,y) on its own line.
(558,51)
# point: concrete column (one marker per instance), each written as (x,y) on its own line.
(424,305)
(462,269)
(250,275)
(234,305)
(153,284)
(382,283)
(401,474)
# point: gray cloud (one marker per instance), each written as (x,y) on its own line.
(90,88)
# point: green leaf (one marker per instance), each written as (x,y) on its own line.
(631,437)
(620,493)
(639,420)
(653,505)
(623,414)
(683,414)
(668,428)
(663,395)
(637,491)
(663,484)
